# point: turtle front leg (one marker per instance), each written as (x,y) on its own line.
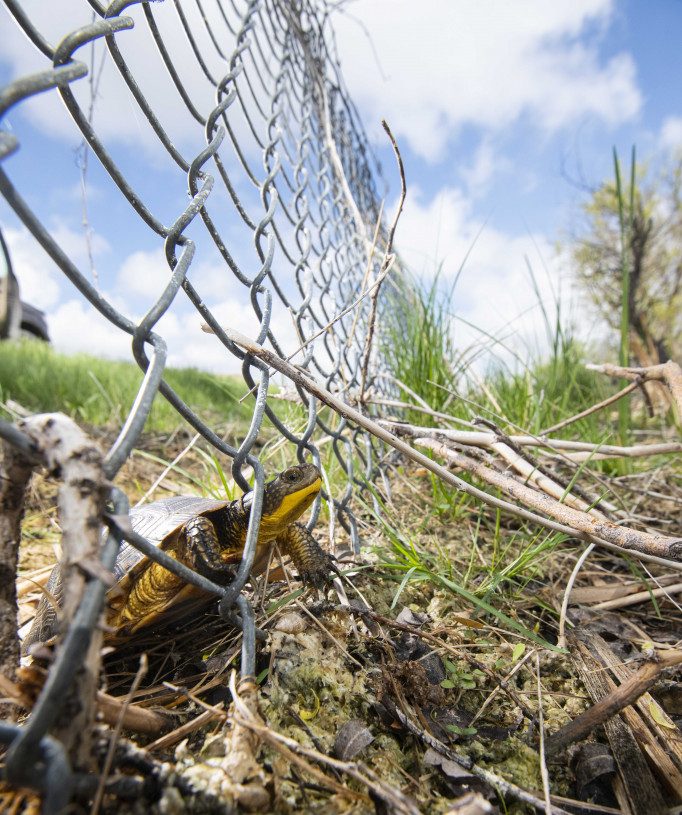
(199,547)
(312,562)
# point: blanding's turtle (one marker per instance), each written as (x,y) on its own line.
(208,536)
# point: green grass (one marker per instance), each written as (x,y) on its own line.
(405,560)
(505,560)
(417,343)
(548,391)
(100,392)
(420,350)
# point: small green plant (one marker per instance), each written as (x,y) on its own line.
(461,677)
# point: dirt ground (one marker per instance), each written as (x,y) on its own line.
(394,691)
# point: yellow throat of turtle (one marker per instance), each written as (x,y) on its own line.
(290,509)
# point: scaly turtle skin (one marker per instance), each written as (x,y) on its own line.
(208,536)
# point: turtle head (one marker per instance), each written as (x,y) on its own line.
(288,496)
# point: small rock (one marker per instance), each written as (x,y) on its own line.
(351,739)
(291,623)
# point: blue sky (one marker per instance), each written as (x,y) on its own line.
(501,110)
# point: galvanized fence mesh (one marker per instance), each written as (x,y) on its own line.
(284,168)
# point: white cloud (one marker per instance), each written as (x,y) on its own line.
(484,63)
(144,274)
(75,326)
(494,291)
(117,115)
(487,165)
(39,277)
(671,133)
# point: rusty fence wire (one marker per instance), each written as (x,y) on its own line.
(283,166)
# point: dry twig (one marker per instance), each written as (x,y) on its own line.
(485,439)
(69,453)
(592,409)
(595,527)
(669,373)
(388,258)
(109,760)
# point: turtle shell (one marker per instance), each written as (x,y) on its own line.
(160,522)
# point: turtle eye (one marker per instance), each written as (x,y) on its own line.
(290,475)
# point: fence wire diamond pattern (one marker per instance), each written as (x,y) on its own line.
(284,169)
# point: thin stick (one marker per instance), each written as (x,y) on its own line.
(109,760)
(599,406)
(387,255)
(184,730)
(292,396)
(208,330)
(503,683)
(482,438)
(168,468)
(541,729)
(561,641)
(396,403)
(638,597)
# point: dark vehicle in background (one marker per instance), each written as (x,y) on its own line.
(17,319)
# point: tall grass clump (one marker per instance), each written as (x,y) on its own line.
(101,391)
(417,344)
(551,384)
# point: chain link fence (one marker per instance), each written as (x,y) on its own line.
(285,169)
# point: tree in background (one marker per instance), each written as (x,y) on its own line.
(651,256)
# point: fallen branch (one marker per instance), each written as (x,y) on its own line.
(625,694)
(475,438)
(78,463)
(595,526)
(669,373)
(305,381)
